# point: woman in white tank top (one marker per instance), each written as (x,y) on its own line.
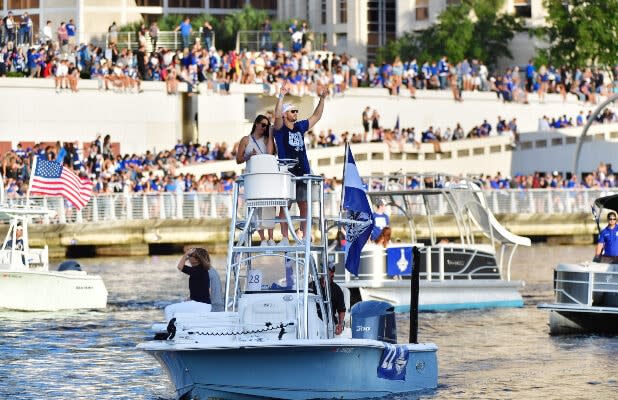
(259,141)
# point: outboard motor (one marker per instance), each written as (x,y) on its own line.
(374,320)
(69,265)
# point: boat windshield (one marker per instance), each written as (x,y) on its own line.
(274,273)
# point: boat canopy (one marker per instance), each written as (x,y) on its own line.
(609,202)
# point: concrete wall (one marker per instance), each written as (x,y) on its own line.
(476,156)
(133,238)
(555,150)
(32,111)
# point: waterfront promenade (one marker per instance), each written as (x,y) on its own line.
(140,224)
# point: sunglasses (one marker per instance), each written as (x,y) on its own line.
(264,124)
(611,219)
(294,111)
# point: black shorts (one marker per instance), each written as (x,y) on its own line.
(366,126)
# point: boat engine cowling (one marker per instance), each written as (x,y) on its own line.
(69,265)
(374,320)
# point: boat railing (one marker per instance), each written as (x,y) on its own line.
(589,288)
(270,184)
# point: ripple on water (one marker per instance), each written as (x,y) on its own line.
(497,354)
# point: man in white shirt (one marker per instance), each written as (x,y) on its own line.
(47,32)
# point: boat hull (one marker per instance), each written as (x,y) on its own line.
(443,295)
(565,322)
(51,291)
(586,299)
(293,372)
(453,277)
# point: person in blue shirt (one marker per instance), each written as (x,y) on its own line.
(530,75)
(185,32)
(380,219)
(607,245)
(71,31)
(290,141)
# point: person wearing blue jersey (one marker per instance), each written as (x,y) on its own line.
(380,219)
(443,71)
(71,32)
(289,137)
(607,245)
(185,31)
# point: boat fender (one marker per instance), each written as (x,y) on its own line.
(171,329)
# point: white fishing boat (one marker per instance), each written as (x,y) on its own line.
(586,294)
(26,282)
(271,341)
(458,273)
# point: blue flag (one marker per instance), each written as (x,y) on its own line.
(356,205)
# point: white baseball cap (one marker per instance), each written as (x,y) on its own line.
(289,107)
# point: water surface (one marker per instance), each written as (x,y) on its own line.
(497,354)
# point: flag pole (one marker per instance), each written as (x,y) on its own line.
(345,161)
(32,171)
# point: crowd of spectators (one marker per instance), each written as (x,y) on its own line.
(55,53)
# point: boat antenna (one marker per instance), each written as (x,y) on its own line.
(1,189)
(32,172)
(414,289)
(597,217)
(345,161)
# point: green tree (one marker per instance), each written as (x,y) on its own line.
(472,28)
(581,32)
(248,19)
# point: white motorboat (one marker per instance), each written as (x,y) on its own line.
(455,274)
(27,284)
(586,294)
(271,341)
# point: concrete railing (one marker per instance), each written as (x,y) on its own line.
(162,206)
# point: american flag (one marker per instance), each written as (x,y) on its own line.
(50,178)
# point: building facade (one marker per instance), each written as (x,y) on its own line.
(361,27)
(356,27)
(93,17)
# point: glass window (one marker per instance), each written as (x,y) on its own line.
(343,11)
(149,3)
(323,12)
(13,4)
(523,8)
(422,10)
(227,3)
(186,3)
(381,25)
(264,4)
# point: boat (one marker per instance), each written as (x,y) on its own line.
(271,341)
(457,272)
(586,294)
(27,283)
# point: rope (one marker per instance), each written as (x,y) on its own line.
(269,327)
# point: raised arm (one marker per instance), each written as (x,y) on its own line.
(270,141)
(317,113)
(183,260)
(279,106)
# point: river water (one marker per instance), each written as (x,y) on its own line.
(488,354)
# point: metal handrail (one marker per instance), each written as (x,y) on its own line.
(260,40)
(148,206)
(166,39)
